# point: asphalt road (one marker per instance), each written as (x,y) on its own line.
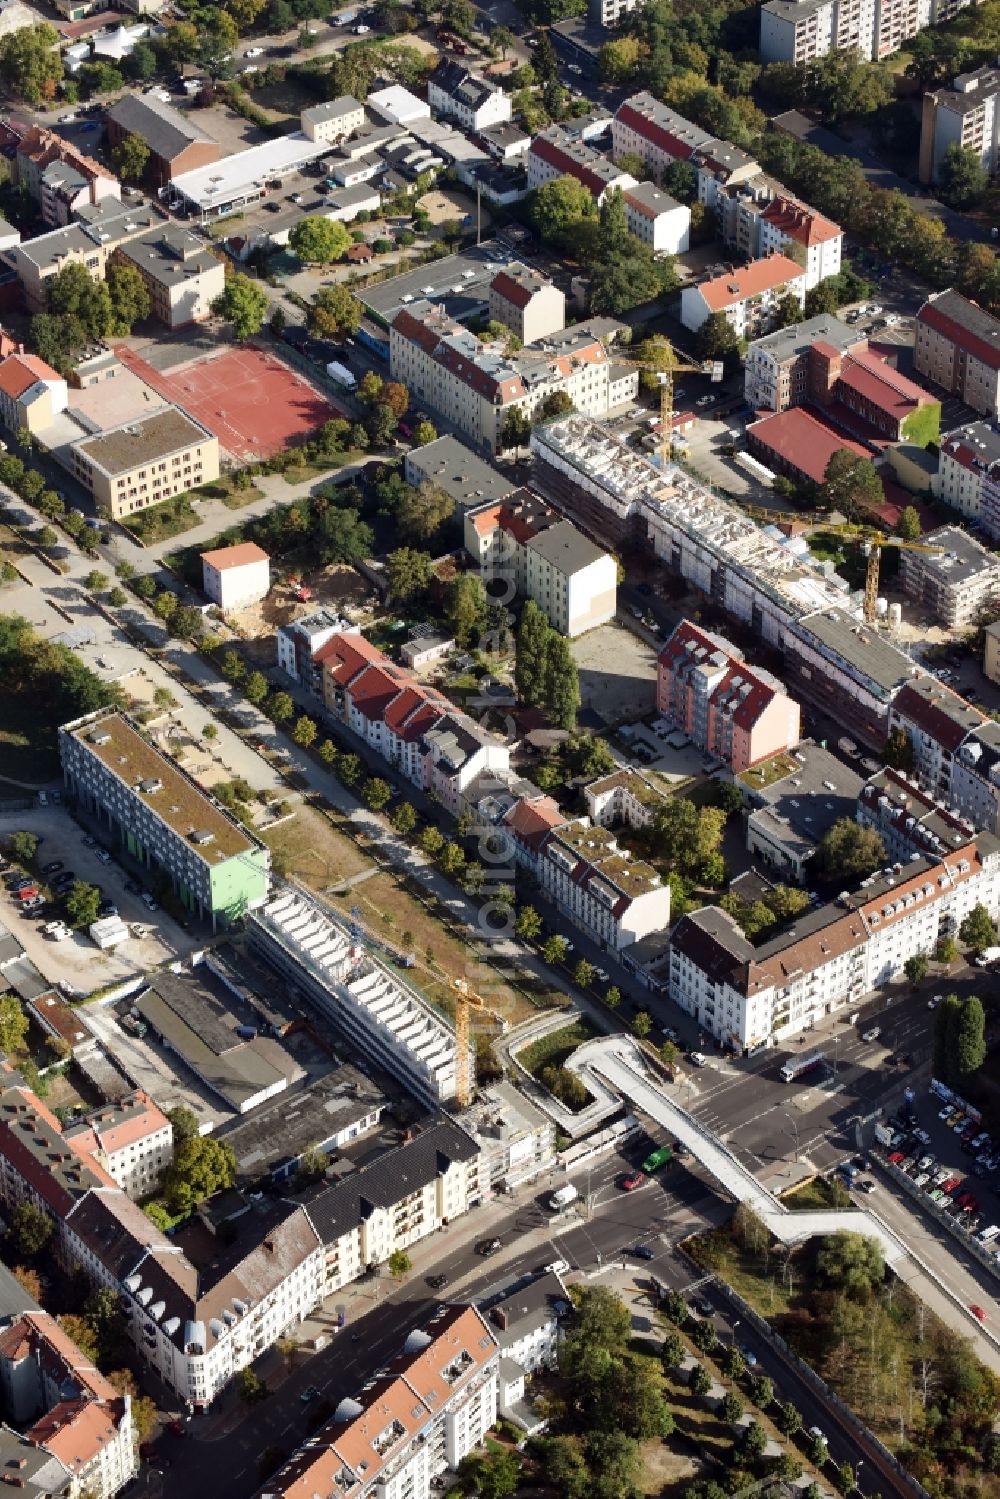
(226,1465)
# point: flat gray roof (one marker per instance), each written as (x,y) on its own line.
(457,469)
(282,1129)
(170,254)
(859,645)
(130,446)
(566,548)
(786,343)
(811,798)
(460,282)
(962,557)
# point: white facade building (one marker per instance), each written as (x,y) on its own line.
(968,476)
(301,642)
(658,219)
(329,124)
(237,576)
(131,1138)
(748,298)
(455,93)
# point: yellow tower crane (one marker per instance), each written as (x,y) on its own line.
(466,1001)
(659,357)
(870,539)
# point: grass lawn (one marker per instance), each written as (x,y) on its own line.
(770,771)
(553,1049)
(820,1193)
(28,745)
(170,518)
(759,1282)
(231,497)
(318,850)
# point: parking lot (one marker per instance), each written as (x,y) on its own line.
(76,961)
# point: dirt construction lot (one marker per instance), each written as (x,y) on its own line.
(336,587)
(77,961)
(617,675)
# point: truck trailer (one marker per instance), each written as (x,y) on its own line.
(797,1067)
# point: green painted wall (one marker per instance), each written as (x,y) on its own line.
(923,426)
(239,881)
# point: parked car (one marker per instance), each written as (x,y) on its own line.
(53,866)
(633,1180)
(148,901)
(486,1247)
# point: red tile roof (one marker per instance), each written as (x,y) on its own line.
(687,640)
(930,713)
(800,439)
(21,371)
(798,222)
(513,291)
(875,381)
(532,822)
(766,274)
(971,343)
(567,165)
(656,134)
(242,555)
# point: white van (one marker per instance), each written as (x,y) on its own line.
(563,1197)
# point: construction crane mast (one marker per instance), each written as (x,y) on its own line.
(660,359)
(466,1000)
(870,539)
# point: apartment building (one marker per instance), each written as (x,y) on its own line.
(65,1410)
(329,124)
(748,297)
(182,276)
(643,126)
(836,661)
(555,153)
(474,385)
(834,955)
(421,1415)
(859,392)
(991,652)
(456,93)
(722,168)
(799,31)
(162,817)
(528,1322)
(615,899)
(965,115)
(954,584)
(413,727)
(968,476)
(908,820)
(32,393)
(790,815)
(657,219)
(301,642)
(176,143)
(139,463)
(359,995)
(61,178)
(459,471)
(957,347)
(736,712)
(236,576)
(90,241)
(130,1138)
(546,558)
(785,223)
(777,367)
(625,796)
(956,750)
(526,303)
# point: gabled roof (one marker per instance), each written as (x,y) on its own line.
(20,372)
(937,712)
(662,126)
(965,324)
(165,130)
(798,222)
(766,274)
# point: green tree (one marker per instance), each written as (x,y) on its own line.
(908,526)
(516,431)
(304,731)
(130,158)
(327,752)
(788,1418)
(251,1388)
(531,657)
(47,538)
(850,484)
(232,666)
(243,304)
(674,1351)
(851,1262)
(280,707)
(916,968)
(349,769)
(404,819)
(423,433)
(451,861)
(898,752)
(946,950)
(30,1227)
(117,598)
(754,1439)
(465,606)
(22,847)
(82,904)
(184,1123)
(642,1024)
(210,732)
(528,924)
(130,302)
(716,338)
(408,574)
(343,537)
(562,681)
(422,513)
(255,688)
(556,403)
(617,59)
(399,1263)
(335,312)
(565,1467)
(970,1041)
(762,1391)
(201,1167)
(978,930)
(962,178)
(559,205)
(945,1046)
(733,1364)
(376,793)
(30,62)
(730,1407)
(319,241)
(848,851)
(555,950)
(700,1381)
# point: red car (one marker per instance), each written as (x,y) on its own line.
(896,1157)
(176,1428)
(977,1312)
(950,1184)
(629,1183)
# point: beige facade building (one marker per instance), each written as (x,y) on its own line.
(526,303)
(32,394)
(89,241)
(138,464)
(329,124)
(957,347)
(545,558)
(181,274)
(991,652)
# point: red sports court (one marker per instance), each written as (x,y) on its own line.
(253,402)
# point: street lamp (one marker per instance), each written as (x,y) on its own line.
(857,1469)
(795,1126)
(732,1333)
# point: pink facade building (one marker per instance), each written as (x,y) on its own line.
(736,712)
